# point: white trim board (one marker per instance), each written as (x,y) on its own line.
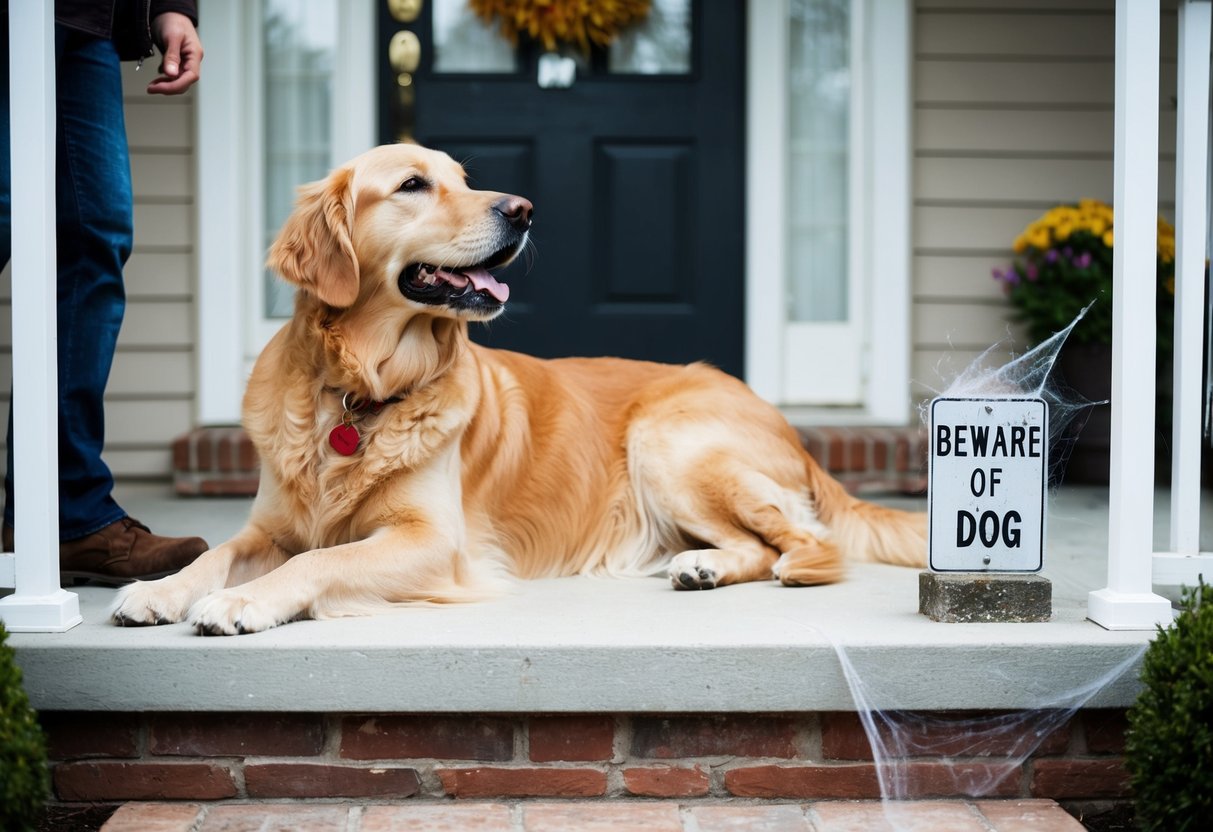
(884,145)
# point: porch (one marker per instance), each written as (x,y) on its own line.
(593,688)
(581,644)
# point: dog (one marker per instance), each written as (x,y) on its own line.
(401,462)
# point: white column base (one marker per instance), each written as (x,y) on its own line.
(52,613)
(1174,569)
(1114,610)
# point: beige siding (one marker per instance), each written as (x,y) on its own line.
(150,397)
(1013,113)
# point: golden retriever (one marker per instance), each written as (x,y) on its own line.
(402,462)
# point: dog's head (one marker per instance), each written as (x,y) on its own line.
(401,221)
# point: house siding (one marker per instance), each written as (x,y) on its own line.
(150,397)
(1013,113)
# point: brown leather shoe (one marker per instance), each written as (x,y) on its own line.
(124,551)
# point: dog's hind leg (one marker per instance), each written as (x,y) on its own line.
(750,521)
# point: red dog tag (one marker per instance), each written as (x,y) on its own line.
(344,439)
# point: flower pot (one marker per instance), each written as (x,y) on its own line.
(1087,368)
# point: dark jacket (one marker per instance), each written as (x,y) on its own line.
(127,22)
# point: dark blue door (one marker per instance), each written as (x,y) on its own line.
(636,170)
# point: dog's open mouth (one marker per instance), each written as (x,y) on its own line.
(459,281)
(468,287)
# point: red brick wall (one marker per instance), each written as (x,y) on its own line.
(221,460)
(107,757)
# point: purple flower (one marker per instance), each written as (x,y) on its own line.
(1032,271)
(1011,276)
(1083,260)
(1051,256)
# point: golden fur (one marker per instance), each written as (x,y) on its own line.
(493,465)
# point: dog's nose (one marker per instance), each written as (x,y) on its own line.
(516,210)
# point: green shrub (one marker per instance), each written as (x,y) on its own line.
(1169,748)
(24,780)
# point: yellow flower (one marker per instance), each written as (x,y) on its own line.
(1169,284)
(1107,238)
(1063,232)
(1021,244)
(1166,250)
(1038,237)
(1097,225)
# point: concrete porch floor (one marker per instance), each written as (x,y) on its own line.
(581,644)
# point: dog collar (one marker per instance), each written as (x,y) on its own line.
(344,438)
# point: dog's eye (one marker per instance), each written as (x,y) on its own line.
(414,183)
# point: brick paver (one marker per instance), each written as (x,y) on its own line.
(467,817)
(780,818)
(601,816)
(909,816)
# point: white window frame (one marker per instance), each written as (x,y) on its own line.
(232,329)
(880,251)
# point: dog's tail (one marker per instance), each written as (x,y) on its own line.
(864,531)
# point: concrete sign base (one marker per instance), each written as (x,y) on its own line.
(979,597)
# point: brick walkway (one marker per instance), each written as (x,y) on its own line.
(831,816)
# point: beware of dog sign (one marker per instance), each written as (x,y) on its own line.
(987,484)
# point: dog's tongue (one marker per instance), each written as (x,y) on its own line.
(480,279)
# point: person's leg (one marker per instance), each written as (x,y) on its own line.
(94,229)
(95,233)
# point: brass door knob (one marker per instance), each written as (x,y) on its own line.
(404,52)
(405,11)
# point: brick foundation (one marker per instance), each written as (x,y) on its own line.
(110,758)
(220,461)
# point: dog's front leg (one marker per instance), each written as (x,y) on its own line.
(391,566)
(249,554)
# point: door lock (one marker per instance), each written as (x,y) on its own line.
(404,52)
(405,11)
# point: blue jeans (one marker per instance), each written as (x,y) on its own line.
(94,231)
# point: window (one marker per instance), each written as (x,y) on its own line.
(289,94)
(827,264)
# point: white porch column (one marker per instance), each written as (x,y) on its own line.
(1184,562)
(39,604)
(1128,603)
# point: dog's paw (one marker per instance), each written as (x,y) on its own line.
(229,612)
(694,570)
(150,602)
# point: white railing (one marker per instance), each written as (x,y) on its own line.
(1185,562)
(39,603)
(1129,602)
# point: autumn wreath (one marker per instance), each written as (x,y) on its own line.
(553,22)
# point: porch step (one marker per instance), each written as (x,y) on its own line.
(221,461)
(604,816)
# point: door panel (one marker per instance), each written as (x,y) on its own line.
(637,182)
(642,223)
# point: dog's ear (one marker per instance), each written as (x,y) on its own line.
(314,250)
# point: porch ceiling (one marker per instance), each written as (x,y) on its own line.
(602,645)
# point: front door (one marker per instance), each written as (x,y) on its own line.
(635,165)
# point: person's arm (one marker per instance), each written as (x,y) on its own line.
(181,53)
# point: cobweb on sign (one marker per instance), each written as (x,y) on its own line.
(1030,375)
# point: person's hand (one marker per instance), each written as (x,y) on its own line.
(181,54)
